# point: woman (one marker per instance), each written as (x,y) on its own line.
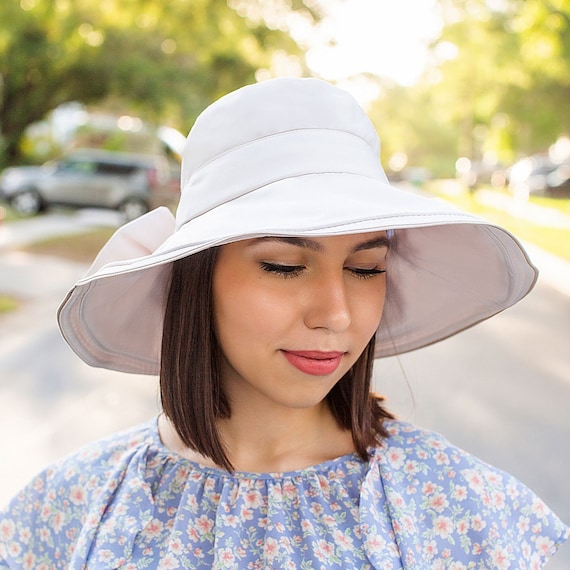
(290,266)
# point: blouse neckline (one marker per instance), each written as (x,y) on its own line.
(323,467)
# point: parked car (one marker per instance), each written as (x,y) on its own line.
(130,183)
(539,175)
(477,173)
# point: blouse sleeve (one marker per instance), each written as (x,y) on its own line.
(40,525)
(450,509)
(54,520)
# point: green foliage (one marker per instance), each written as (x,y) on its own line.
(81,247)
(165,60)
(427,138)
(498,83)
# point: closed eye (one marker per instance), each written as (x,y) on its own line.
(363,273)
(288,271)
(280,269)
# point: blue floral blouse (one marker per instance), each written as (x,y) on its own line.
(418,503)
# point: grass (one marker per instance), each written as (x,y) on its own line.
(555,240)
(560,204)
(82,247)
(7,304)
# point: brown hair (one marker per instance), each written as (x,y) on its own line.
(190,385)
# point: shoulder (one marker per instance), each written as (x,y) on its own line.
(409,437)
(455,504)
(49,513)
(426,459)
(92,465)
(410,451)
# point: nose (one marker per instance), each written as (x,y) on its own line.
(328,304)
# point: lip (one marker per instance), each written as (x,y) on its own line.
(314,362)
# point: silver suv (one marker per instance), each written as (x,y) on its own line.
(130,183)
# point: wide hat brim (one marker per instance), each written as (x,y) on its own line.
(293,157)
(447,270)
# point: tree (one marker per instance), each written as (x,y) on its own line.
(411,123)
(165,59)
(539,110)
(498,86)
(509,79)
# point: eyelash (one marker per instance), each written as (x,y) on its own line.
(367,273)
(289,271)
(286,271)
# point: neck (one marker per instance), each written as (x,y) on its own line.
(271,442)
(276,440)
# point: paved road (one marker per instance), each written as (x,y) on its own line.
(50,401)
(500,390)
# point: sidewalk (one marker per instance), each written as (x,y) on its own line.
(51,402)
(524,209)
(26,231)
(28,276)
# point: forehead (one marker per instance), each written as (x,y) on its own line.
(353,242)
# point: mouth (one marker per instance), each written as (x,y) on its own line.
(314,362)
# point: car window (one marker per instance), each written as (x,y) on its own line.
(77,166)
(115,169)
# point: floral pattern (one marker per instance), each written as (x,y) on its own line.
(418,503)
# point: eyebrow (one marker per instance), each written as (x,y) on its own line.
(373,243)
(307,243)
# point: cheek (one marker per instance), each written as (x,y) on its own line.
(246,315)
(368,312)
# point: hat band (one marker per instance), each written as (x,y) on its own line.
(270,159)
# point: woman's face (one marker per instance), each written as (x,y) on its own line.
(294,314)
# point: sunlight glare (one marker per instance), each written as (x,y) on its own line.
(381,37)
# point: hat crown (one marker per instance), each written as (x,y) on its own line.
(269,108)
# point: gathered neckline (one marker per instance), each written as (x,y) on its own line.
(322,467)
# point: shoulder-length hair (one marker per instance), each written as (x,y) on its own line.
(190,384)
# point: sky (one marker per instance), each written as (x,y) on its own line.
(383,37)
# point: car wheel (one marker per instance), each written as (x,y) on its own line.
(27,203)
(132,208)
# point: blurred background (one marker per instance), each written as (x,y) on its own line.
(471,101)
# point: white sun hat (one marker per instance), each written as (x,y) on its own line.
(293,157)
